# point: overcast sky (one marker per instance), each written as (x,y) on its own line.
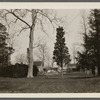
(72,24)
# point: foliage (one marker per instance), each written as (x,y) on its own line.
(60,53)
(17,71)
(91,56)
(5,50)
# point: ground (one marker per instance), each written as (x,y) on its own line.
(76,82)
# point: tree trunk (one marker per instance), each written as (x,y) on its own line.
(62,72)
(31,39)
(98,74)
(99,71)
(30,56)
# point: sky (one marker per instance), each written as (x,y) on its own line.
(72,24)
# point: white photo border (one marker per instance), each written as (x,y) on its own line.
(50,5)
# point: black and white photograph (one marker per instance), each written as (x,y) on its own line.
(49,50)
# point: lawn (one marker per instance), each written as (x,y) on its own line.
(71,83)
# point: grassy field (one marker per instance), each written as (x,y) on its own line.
(71,83)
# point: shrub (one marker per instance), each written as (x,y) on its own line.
(35,71)
(17,71)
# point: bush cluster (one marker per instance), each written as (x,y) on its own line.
(17,71)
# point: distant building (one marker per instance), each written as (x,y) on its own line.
(39,65)
(55,67)
(72,67)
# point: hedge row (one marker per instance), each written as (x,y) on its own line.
(17,71)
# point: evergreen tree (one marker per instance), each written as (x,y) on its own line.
(60,53)
(84,58)
(5,51)
(91,56)
(94,33)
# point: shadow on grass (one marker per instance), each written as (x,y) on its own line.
(70,77)
(53,77)
(80,77)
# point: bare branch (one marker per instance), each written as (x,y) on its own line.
(12,40)
(50,20)
(23,28)
(42,28)
(18,18)
(84,22)
(37,44)
(8,24)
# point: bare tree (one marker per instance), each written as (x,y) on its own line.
(84,22)
(85,26)
(42,54)
(36,16)
(21,58)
